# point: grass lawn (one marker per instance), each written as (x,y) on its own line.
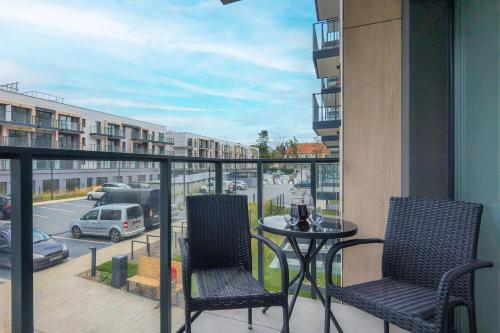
(105,270)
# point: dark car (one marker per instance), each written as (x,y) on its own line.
(5,207)
(46,250)
(149,200)
(303,184)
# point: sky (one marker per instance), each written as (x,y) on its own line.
(191,65)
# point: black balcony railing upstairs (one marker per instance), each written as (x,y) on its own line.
(21,159)
(326,34)
(326,107)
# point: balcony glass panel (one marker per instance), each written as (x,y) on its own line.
(65,289)
(5,247)
(326,35)
(194,179)
(326,107)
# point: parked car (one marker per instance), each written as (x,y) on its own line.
(97,194)
(5,207)
(46,250)
(240,185)
(303,184)
(139,185)
(116,185)
(116,221)
(148,199)
(227,186)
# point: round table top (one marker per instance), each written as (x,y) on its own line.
(330,228)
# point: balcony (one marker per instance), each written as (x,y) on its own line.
(327,9)
(327,116)
(326,48)
(330,85)
(69,126)
(45,123)
(106,148)
(109,131)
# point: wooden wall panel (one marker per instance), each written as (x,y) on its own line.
(371,138)
(362,12)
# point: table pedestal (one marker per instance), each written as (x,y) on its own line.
(305,261)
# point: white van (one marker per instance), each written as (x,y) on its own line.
(115,221)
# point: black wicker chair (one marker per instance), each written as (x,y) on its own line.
(217,251)
(428,265)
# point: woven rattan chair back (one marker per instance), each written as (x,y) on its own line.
(218,231)
(427,237)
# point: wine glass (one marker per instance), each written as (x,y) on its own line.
(292,215)
(315,215)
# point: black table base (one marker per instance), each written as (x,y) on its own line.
(305,261)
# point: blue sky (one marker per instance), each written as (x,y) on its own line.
(191,65)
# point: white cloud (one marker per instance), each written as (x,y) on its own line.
(77,23)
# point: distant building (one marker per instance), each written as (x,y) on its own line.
(307,150)
(39,120)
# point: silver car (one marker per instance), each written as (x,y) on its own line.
(115,221)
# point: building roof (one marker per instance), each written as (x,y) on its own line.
(309,148)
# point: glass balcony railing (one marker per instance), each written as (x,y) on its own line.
(44,122)
(69,125)
(109,131)
(326,107)
(326,35)
(107,148)
(329,83)
(269,185)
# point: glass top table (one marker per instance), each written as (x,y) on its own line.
(330,228)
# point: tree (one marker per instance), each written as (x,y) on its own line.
(292,147)
(263,144)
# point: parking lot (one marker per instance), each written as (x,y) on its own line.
(55,218)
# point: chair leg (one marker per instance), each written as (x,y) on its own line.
(328,301)
(249,318)
(286,320)
(450,322)
(471,312)
(187,321)
(386,326)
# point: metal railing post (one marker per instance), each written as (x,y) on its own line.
(93,261)
(313,196)
(165,245)
(260,211)
(218,177)
(22,244)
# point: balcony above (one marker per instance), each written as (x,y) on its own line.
(331,85)
(110,132)
(326,48)
(327,9)
(326,114)
(108,148)
(331,141)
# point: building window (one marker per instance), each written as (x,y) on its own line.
(130,179)
(3,187)
(117,179)
(66,164)
(141,178)
(90,182)
(72,184)
(101,180)
(50,185)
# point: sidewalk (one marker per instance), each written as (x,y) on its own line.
(65,302)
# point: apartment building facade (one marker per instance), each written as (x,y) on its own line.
(33,119)
(327,105)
